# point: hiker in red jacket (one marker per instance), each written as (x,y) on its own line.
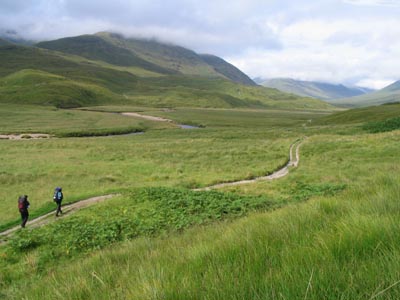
(23,205)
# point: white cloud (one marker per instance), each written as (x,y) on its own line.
(373,2)
(348,41)
(344,51)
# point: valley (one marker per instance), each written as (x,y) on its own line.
(265,195)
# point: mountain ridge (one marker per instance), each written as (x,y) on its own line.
(320,90)
(389,94)
(150,55)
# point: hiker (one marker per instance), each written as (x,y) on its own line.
(23,205)
(58,197)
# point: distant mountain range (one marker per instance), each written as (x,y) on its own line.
(107,68)
(319,90)
(389,94)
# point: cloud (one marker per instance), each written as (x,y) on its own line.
(347,51)
(374,2)
(334,40)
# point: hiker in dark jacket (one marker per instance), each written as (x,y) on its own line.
(23,205)
(58,197)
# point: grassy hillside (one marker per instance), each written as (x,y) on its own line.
(319,90)
(168,56)
(84,83)
(226,69)
(178,58)
(15,58)
(38,87)
(362,115)
(206,92)
(390,94)
(96,48)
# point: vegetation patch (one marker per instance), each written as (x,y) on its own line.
(100,132)
(383,126)
(142,212)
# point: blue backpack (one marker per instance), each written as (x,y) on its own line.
(58,196)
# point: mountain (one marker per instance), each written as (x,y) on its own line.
(149,55)
(389,94)
(4,42)
(319,90)
(226,69)
(12,37)
(91,70)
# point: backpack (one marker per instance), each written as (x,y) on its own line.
(58,196)
(21,202)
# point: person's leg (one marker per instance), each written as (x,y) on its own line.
(24,216)
(58,209)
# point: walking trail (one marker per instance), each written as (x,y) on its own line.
(67,209)
(293,162)
(294,158)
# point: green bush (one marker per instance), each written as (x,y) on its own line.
(383,126)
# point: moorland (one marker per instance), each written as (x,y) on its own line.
(327,230)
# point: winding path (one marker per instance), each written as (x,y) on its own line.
(293,162)
(294,158)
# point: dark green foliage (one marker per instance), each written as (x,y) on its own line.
(383,126)
(100,132)
(146,211)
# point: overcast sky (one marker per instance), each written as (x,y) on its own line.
(355,42)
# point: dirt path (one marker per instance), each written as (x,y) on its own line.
(24,136)
(294,159)
(67,209)
(146,117)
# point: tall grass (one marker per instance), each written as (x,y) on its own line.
(336,246)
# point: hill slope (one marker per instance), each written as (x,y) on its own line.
(40,76)
(362,115)
(226,69)
(388,94)
(96,48)
(4,42)
(150,55)
(320,90)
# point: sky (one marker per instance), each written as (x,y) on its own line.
(354,42)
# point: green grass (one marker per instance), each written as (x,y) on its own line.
(341,244)
(37,119)
(88,166)
(329,230)
(362,115)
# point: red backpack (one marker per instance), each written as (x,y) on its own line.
(21,202)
